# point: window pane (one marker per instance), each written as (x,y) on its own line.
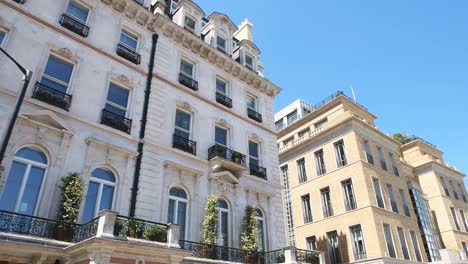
(59,69)
(118,95)
(181,215)
(251,103)
(32,154)
(55,85)
(260,242)
(170,212)
(253,149)
(115,110)
(129,40)
(12,186)
(178,192)
(221,42)
(106,198)
(190,22)
(183,120)
(186,68)
(103,174)
(222,204)
(389,240)
(221,136)
(2,36)
(182,134)
(248,60)
(224,229)
(77,11)
(31,191)
(90,203)
(221,86)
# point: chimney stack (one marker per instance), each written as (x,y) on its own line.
(244,31)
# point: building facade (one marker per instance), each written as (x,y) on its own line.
(363,197)
(156,106)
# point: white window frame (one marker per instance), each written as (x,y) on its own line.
(301,174)
(463,218)
(381,192)
(101,183)
(186,27)
(353,244)
(252,67)
(391,197)
(337,156)
(345,191)
(130,34)
(456,222)
(182,129)
(68,85)
(29,164)
(226,84)
(394,163)
(258,151)
(327,206)
(306,212)
(176,208)
(218,225)
(127,110)
(224,49)
(183,60)
(393,240)
(418,249)
(255,99)
(381,155)
(227,135)
(81,4)
(318,165)
(262,219)
(367,148)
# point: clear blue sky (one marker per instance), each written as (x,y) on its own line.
(407,60)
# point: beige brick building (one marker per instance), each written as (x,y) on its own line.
(359,195)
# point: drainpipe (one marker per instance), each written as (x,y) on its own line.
(149,78)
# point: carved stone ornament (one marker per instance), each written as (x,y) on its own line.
(123,78)
(184,105)
(255,137)
(65,52)
(223,122)
(222,188)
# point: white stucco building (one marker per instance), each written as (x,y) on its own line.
(209,127)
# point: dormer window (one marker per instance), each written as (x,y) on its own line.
(249,62)
(190,24)
(174,5)
(221,44)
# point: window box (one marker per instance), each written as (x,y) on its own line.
(188,82)
(128,54)
(74,25)
(258,171)
(254,115)
(224,100)
(52,96)
(184,144)
(116,121)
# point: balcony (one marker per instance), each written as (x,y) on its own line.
(258,171)
(128,54)
(184,144)
(188,82)
(254,115)
(38,227)
(224,100)
(221,157)
(74,25)
(52,96)
(116,121)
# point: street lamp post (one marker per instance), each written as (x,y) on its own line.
(26,78)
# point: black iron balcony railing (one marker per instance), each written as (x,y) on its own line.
(217,252)
(258,171)
(254,115)
(226,153)
(74,25)
(184,144)
(306,256)
(136,228)
(128,54)
(27,225)
(224,100)
(116,121)
(19,1)
(188,82)
(271,257)
(52,96)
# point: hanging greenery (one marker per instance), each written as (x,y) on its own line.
(72,194)
(249,234)
(208,230)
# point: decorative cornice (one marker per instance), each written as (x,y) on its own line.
(212,55)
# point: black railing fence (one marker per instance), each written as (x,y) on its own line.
(223,99)
(11,222)
(74,25)
(226,153)
(141,229)
(254,115)
(128,54)
(116,121)
(307,256)
(188,82)
(184,144)
(271,257)
(215,252)
(258,171)
(52,96)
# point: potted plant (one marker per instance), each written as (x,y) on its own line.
(311,257)
(118,227)
(280,258)
(249,235)
(133,228)
(67,213)
(155,233)
(208,228)
(219,150)
(237,157)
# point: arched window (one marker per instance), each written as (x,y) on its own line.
(261,230)
(24,183)
(223,223)
(177,213)
(100,193)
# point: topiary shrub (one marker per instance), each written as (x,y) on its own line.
(208,228)
(155,233)
(249,234)
(69,207)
